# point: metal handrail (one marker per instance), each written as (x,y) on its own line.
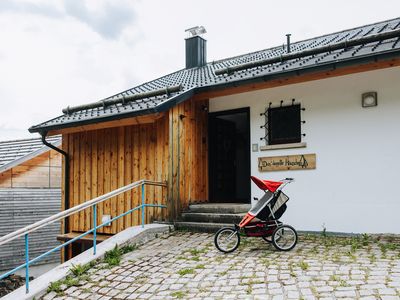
(61,215)
(91,203)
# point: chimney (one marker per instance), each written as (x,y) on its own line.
(195,47)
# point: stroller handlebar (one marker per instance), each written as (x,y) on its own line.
(288,179)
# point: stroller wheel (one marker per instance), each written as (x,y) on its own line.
(267,238)
(284,238)
(227,239)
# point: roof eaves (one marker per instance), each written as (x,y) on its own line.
(157,109)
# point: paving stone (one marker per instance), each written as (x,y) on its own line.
(254,271)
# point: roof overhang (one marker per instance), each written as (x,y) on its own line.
(316,72)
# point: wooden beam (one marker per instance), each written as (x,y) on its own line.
(86,239)
(109,124)
(243,88)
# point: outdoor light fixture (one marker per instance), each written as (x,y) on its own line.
(369,99)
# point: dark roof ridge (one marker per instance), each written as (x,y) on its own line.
(141,84)
(211,63)
(302,41)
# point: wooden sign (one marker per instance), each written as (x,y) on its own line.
(288,162)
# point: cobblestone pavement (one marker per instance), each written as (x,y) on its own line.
(187,266)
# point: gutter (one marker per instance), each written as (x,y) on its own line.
(66,176)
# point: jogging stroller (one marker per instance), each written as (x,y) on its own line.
(267,210)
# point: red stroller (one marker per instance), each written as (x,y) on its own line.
(268,210)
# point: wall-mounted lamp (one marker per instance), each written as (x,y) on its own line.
(369,99)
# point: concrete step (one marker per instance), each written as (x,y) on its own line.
(223,208)
(200,227)
(212,217)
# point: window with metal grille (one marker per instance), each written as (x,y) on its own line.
(284,124)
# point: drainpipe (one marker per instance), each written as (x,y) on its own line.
(66,175)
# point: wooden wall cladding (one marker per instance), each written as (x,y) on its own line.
(172,149)
(43,171)
(188,154)
(106,159)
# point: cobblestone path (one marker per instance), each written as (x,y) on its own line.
(187,266)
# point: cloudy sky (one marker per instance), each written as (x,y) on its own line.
(55,53)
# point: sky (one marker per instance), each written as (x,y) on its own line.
(55,53)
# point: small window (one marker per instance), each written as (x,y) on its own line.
(284,125)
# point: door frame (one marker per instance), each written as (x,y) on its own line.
(246,110)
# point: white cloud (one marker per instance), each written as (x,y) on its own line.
(108,20)
(55,53)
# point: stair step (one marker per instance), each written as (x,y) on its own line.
(212,217)
(200,226)
(225,208)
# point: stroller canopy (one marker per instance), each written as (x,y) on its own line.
(266,185)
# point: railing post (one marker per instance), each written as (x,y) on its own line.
(27,263)
(95,228)
(142,207)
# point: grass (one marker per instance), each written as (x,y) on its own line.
(323,233)
(184,272)
(178,294)
(78,272)
(200,267)
(113,257)
(249,290)
(55,287)
(343,283)
(70,280)
(334,278)
(195,258)
(303,265)
(291,270)
(196,252)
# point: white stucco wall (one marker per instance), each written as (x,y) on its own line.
(355,187)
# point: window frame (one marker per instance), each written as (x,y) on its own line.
(284,140)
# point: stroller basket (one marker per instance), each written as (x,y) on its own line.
(277,203)
(280,201)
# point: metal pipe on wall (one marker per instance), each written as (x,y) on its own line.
(66,177)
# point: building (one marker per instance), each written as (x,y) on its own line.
(323,110)
(30,190)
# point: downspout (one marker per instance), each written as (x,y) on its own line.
(66,176)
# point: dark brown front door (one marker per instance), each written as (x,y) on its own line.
(229,156)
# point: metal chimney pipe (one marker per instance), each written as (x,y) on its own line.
(288,42)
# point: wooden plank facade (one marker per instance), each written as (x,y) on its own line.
(171,148)
(42,171)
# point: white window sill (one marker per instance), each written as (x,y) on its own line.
(283,146)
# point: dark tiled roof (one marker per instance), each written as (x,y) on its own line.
(204,78)
(15,151)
